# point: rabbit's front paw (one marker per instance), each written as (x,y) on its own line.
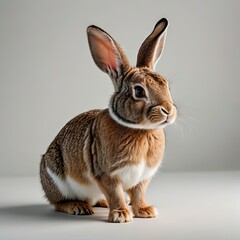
(146,212)
(120,216)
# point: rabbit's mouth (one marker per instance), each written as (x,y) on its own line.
(161,116)
(164,124)
(169,119)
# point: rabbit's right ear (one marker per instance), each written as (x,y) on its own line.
(151,49)
(107,54)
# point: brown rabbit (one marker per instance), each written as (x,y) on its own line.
(101,154)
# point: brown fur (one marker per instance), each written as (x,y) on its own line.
(74,207)
(94,145)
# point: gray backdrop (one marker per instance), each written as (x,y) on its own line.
(47,75)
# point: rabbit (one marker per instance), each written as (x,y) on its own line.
(101,155)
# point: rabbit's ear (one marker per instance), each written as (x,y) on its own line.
(151,49)
(107,54)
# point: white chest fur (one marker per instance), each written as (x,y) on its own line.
(131,175)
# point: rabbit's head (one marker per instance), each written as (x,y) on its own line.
(142,97)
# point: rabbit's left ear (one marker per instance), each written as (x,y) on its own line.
(151,49)
(107,54)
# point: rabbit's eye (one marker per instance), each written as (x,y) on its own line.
(139,92)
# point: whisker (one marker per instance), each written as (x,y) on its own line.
(188,124)
(178,127)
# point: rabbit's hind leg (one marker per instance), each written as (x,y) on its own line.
(60,195)
(56,192)
(74,207)
(101,203)
(51,190)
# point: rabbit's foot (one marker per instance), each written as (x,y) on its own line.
(101,203)
(146,212)
(74,208)
(120,216)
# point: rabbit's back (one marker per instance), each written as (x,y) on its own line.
(67,161)
(74,139)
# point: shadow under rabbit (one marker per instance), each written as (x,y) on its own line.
(44,212)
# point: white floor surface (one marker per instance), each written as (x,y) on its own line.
(191,206)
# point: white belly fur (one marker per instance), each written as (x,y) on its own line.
(71,189)
(132,175)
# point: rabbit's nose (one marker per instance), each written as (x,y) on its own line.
(166,108)
(164,111)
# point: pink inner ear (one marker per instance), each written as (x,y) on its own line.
(106,52)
